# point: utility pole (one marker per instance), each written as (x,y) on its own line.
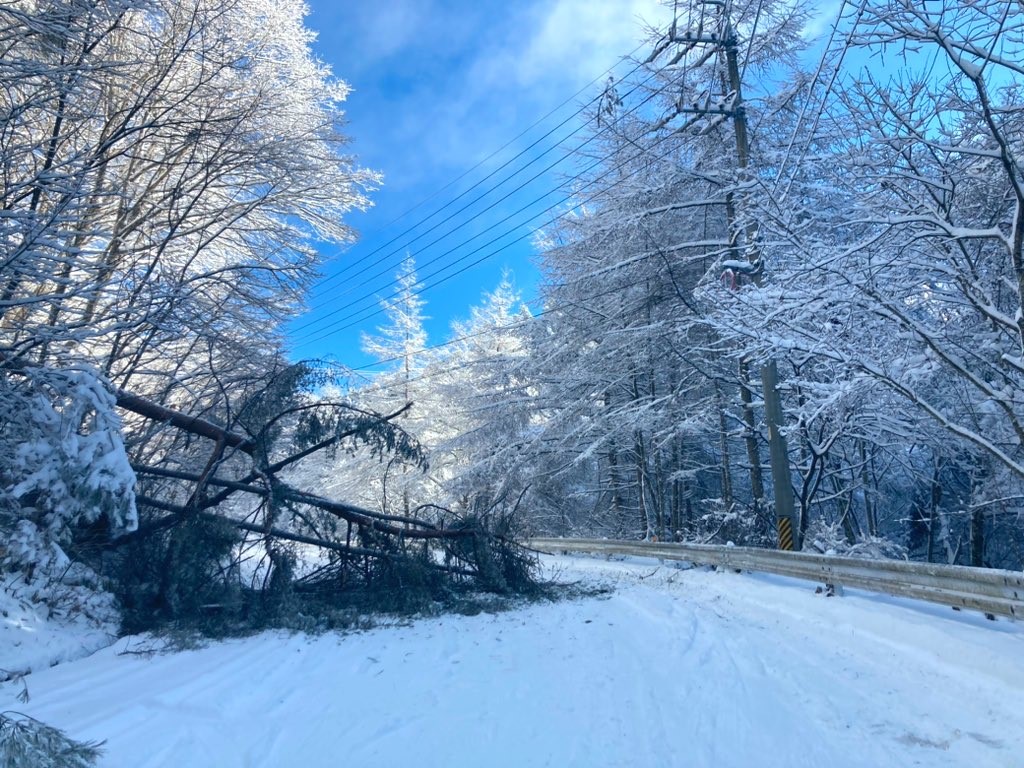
(785,513)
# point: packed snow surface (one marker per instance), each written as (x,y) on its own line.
(672,668)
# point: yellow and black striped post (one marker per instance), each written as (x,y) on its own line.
(786,534)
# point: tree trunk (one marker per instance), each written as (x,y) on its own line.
(723,442)
(750,438)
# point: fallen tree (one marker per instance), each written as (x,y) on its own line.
(373,557)
(194,531)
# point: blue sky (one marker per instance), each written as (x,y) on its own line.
(438,86)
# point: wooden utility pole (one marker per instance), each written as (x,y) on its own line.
(785,513)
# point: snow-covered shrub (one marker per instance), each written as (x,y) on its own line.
(44,576)
(829,539)
(718,524)
(62,466)
(28,743)
(62,449)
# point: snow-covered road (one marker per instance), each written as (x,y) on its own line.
(675,668)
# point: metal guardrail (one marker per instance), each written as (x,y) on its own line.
(994,592)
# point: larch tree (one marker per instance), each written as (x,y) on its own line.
(399,347)
(643,407)
(894,242)
(478,376)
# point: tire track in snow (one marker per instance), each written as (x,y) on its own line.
(945,717)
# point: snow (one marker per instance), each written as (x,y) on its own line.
(673,668)
(740,266)
(74,622)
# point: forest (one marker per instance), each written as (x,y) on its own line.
(748,233)
(788,286)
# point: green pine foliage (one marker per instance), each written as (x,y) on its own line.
(28,743)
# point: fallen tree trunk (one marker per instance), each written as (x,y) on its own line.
(420,529)
(191,424)
(298,538)
(352,514)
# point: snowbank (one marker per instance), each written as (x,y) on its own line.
(71,622)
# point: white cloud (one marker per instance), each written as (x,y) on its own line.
(571,41)
(532,58)
(823,18)
(367,33)
(439,84)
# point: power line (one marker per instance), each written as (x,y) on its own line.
(352,304)
(750,42)
(334,327)
(475,216)
(483,162)
(355,302)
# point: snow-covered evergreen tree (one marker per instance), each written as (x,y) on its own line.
(399,349)
(478,375)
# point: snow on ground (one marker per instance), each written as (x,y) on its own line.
(36,634)
(674,668)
